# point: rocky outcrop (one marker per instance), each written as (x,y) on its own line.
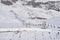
(8,2)
(54,5)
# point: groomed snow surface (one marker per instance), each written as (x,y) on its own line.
(29,34)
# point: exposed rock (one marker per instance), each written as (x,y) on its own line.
(7,2)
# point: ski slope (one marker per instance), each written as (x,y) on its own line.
(29,34)
(17,14)
(19,22)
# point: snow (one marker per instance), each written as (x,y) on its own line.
(19,14)
(30,35)
(16,16)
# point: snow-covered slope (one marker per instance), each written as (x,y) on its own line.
(19,15)
(29,34)
(21,22)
